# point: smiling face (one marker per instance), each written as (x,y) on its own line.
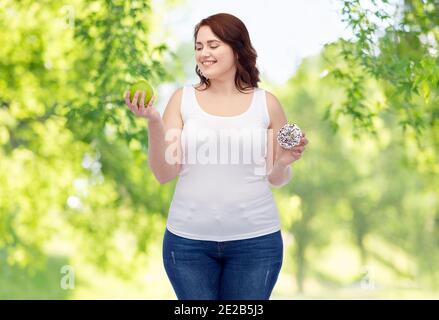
(209,47)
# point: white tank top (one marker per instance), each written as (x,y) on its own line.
(222,192)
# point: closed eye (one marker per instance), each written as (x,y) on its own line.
(198,49)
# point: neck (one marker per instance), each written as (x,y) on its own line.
(224,84)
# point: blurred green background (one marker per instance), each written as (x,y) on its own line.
(82,216)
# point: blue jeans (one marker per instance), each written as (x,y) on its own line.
(228,270)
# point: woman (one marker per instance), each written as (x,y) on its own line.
(222,239)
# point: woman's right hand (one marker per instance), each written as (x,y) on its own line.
(148,112)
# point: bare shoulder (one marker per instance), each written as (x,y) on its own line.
(275,111)
(176,96)
(172,114)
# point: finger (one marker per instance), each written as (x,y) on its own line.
(127,97)
(142,100)
(128,102)
(131,106)
(149,104)
(136,96)
(147,108)
(303,142)
(151,101)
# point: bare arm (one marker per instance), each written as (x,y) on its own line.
(278,174)
(279,160)
(163,138)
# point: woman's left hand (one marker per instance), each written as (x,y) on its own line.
(287,156)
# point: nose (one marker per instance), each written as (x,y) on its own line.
(205,52)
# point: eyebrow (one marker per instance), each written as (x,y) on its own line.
(208,41)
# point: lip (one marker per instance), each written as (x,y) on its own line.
(209,65)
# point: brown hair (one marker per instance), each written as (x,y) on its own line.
(232,31)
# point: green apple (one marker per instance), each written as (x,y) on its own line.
(142,85)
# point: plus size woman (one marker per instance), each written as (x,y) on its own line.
(223,236)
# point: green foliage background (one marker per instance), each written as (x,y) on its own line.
(359,217)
